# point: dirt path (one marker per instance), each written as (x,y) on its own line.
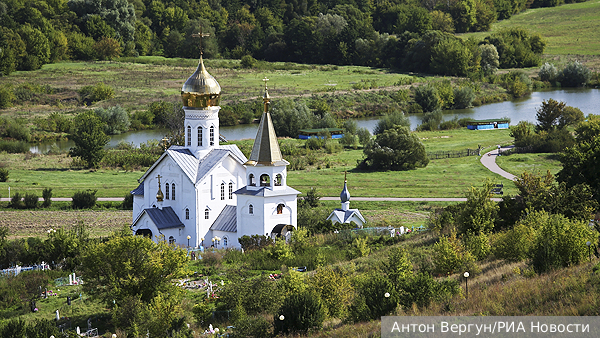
(489,161)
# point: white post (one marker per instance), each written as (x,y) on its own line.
(70,279)
(74,278)
(8,192)
(57,316)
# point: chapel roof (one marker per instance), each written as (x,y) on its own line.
(164,218)
(345,215)
(227,220)
(139,190)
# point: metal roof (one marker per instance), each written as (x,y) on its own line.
(266,150)
(344,216)
(209,162)
(227,220)
(139,190)
(236,152)
(185,160)
(164,218)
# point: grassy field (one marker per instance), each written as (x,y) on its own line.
(568,29)
(518,163)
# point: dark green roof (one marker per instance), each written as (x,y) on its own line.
(321,130)
(487,121)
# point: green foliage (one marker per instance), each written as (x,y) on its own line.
(116,119)
(451,256)
(132,266)
(371,302)
(388,121)
(281,250)
(398,267)
(4,174)
(47,195)
(16,201)
(334,288)
(522,133)
(364,136)
(127,202)
(7,96)
(548,72)
(312,199)
(360,247)
(463,97)
(94,93)
(31,201)
(478,245)
(574,75)
(289,117)
(255,296)
(202,313)
(301,312)
(431,120)
(478,212)
(255,242)
(490,60)
(427,97)
(40,328)
(515,244)
(84,199)
(395,149)
(107,48)
(248,61)
(560,243)
(89,138)
(517,48)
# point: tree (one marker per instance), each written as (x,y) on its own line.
(556,115)
(441,21)
(396,149)
(388,121)
(289,117)
(548,72)
(118,14)
(301,312)
(132,266)
(575,75)
(115,118)
(478,212)
(89,139)
(107,48)
(427,97)
(489,59)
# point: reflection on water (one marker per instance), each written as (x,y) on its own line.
(523,109)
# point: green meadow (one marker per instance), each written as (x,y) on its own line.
(568,29)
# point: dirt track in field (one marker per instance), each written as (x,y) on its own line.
(36,223)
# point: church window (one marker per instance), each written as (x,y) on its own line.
(206,213)
(251,209)
(199,136)
(224,241)
(189,136)
(280,209)
(251,180)
(230,190)
(167,191)
(265,180)
(278,180)
(187,213)
(222,191)
(173,191)
(171,240)
(212,136)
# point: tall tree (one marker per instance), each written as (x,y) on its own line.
(88,135)
(396,149)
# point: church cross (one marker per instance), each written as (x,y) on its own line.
(265,79)
(345,173)
(200,35)
(159,177)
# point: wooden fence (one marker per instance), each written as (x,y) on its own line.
(452,154)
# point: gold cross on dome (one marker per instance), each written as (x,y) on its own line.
(265,79)
(159,177)
(200,35)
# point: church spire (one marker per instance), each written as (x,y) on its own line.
(345,195)
(266,149)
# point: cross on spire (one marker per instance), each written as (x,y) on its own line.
(200,35)
(265,80)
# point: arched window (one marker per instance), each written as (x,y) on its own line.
(199,136)
(187,213)
(189,136)
(251,209)
(206,213)
(278,180)
(222,191)
(173,191)
(171,240)
(251,180)
(265,180)
(167,191)
(280,209)
(224,241)
(212,135)
(230,190)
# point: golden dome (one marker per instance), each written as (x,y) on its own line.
(201,90)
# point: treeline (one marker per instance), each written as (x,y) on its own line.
(385,33)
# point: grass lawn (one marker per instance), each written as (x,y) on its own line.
(518,163)
(568,29)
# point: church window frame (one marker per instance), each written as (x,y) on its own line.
(166,191)
(173,191)
(206,213)
(251,209)
(222,191)
(265,180)
(251,180)
(230,190)
(189,136)
(199,136)
(212,135)
(224,241)
(187,213)
(278,180)
(280,207)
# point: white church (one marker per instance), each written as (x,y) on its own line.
(205,194)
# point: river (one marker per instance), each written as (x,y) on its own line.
(523,109)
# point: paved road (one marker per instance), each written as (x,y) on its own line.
(489,161)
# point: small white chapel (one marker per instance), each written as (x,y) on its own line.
(204,194)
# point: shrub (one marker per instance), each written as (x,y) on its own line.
(372,303)
(14,147)
(252,327)
(15,201)
(248,61)
(364,136)
(427,97)
(548,72)
(84,199)
(116,119)
(388,121)
(127,202)
(575,75)
(202,313)
(97,92)
(299,312)
(7,97)
(463,97)
(47,195)
(31,201)
(4,174)
(396,149)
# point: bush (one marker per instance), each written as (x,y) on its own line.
(388,121)
(548,72)
(98,92)
(15,201)
(47,195)
(4,174)
(364,136)
(7,97)
(248,61)
(84,199)
(127,202)
(116,119)
(463,97)
(427,97)
(575,75)
(14,147)
(301,312)
(31,201)
(396,149)
(371,302)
